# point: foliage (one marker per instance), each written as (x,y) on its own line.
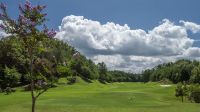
(146,75)
(102,72)
(194,93)
(195,75)
(11,77)
(9,90)
(179,71)
(181,90)
(120,76)
(47,61)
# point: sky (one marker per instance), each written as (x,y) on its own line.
(129,35)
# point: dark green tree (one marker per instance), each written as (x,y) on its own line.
(102,72)
(194,93)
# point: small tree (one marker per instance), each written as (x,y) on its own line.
(181,91)
(102,72)
(27,28)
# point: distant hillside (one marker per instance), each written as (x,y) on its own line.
(179,71)
(121,76)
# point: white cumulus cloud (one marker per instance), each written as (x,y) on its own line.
(191,26)
(121,47)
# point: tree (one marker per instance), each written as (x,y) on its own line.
(146,75)
(179,71)
(121,76)
(181,91)
(195,78)
(86,73)
(102,71)
(27,29)
(194,93)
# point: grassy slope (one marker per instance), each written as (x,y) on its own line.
(95,97)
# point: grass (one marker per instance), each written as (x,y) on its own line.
(96,97)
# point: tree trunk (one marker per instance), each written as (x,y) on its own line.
(33,97)
(182,98)
(32,81)
(33,105)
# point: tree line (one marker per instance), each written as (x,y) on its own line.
(184,73)
(179,71)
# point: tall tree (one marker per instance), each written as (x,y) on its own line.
(27,28)
(102,71)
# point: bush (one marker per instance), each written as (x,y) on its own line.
(71,80)
(194,93)
(63,70)
(9,90)
(195,96)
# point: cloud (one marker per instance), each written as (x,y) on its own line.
(2,33)
(191,26)
(127,63)
(192,52)
(121,47)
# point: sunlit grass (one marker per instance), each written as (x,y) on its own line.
(96,97)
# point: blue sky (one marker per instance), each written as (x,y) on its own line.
(144,14)
(136,13)
(154,32)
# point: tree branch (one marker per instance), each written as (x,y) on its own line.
(41,92)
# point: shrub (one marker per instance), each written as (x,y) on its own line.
(71,80)
(194,93)
(9,90)
(63,70)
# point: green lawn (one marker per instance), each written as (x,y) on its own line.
(95,97)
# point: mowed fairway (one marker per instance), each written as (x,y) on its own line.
(96,97)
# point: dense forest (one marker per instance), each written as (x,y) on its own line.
(179,71)
(184,73)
